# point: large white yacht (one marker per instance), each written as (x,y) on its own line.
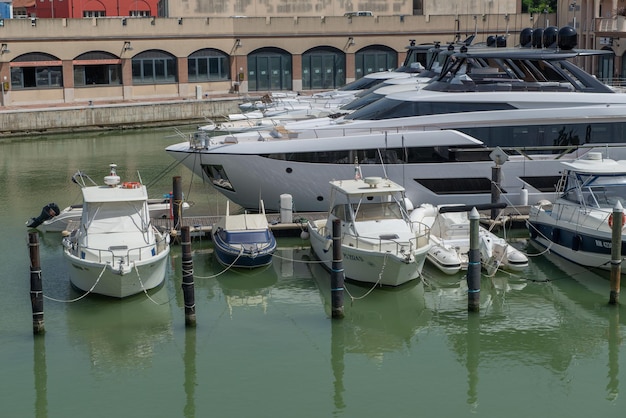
(533,104)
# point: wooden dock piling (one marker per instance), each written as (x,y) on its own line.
(187,283)
(616,252)
(473,266)
(496,180)
(177,202)
(337,275)
(36,285)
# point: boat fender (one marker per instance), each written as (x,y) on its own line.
(576,241)
(131,185)
(556,235)
(610,221)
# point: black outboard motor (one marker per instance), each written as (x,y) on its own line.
(47,212)
(491,41)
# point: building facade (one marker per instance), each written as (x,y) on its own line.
(262,8)
(102,59)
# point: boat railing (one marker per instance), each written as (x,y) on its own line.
(390,242)
(117,253)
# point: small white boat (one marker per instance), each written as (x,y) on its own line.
(116,251)
(52,219)
(450,239)
(577,225)
(379,243)
(158,208)
(243,240)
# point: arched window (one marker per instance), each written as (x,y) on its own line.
(36,70)
(208,65)
(374,59)
(97,68)
(323,68)
(154,67)
(139,9)
(94,8)
(269,69)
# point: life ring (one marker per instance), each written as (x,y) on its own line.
(131,185)
(611,220)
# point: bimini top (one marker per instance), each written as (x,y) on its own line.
(370,186)
(593,163)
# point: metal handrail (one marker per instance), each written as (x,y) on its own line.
(103,255)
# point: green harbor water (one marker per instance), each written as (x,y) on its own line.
(545,342)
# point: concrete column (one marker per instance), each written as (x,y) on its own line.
(68,81)
(127,78)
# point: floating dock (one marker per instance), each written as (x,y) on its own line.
(200,226)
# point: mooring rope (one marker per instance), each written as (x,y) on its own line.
(380,276)
(85,294)
(145,291)
(221,272)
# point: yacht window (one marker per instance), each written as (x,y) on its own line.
(387,108)
(217,176)
(472,185)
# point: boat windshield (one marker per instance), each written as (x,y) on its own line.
(605,191)
(246,237)
(374,211)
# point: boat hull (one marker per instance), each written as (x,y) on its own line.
(361,265)
(446,259)
(589,247)
(105,279)
(450,237)
(307,183)
(231,257)
(244,256)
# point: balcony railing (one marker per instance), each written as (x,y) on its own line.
(612,24)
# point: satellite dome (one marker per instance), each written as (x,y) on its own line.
(550,36)
(526,38)
(568,38)
(538,38)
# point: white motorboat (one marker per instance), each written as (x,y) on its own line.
(577,224)
(158,208)
(379,244)
(52,219)
(450,239)
(116,251)
(265,120)
(538,119)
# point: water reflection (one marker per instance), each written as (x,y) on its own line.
(615,340)
(41,377)
(473,358)
(190,383)
(379,322)
(121,334)
(589,292)
(247,288)
(375,323)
